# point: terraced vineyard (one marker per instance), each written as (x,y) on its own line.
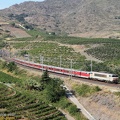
(9,79)
(105,52)
(21,105)
(52,53)
(79,41)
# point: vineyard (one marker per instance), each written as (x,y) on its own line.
(106,52)
(9,79)
(79,41)
(55,54)
(20,98)
(52,53)
(22,105)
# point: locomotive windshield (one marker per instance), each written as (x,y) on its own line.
(114,75)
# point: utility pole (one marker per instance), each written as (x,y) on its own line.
(10,55)
(91,65)
(60,61)
(71,69)
(42,63)
(28,58)
(40,59)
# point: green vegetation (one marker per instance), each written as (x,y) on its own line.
(10,79)
(24,105)
(33,85)
(117,94)
(54,91)
(48,46)
(25,99)
(78,40)
(72,109)
(20,45)
(36,32)
(106,52)
(2,44)
(52,87)
(12,24)
(11,66)
(85,90)
(52,53)
(21,18)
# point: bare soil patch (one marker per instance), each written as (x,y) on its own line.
(99,34)
(17,32)
(81,49)
(3,22)
(103,105)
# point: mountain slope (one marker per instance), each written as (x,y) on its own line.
(71,16)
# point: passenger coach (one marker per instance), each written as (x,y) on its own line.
(83,74)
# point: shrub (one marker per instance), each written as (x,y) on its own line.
(11,66)
(72,109)
(33,84)
(86,90)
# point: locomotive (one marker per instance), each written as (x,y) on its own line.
(101,76)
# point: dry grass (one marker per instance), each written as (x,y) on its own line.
(17,32)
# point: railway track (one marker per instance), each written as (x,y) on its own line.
(77,79)
(88,81)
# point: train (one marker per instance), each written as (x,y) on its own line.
(101,76)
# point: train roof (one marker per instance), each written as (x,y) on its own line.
(103,73)
(50,65)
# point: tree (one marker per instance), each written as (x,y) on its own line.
(11,15)
(12,24)
(4,65)
(33,84)
(11,66)
(72,109)
(24,53)
(28,26)
(45,77)
(54,90)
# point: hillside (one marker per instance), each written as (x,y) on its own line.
(85,18)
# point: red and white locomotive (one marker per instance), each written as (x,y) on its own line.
(83,74)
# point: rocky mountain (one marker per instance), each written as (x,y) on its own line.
(75,17)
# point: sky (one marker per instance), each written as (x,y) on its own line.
(8,3)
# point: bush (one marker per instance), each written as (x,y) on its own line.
(72,109)
(33,84)
(11,66)
(54,91)
(4,65)
(64,103)
(86,90)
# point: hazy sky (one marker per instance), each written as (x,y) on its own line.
(8,3)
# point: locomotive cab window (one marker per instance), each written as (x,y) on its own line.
(114,75)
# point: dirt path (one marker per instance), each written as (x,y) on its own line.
(67,115)
(82,49)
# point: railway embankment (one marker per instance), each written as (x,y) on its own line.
(103,105)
